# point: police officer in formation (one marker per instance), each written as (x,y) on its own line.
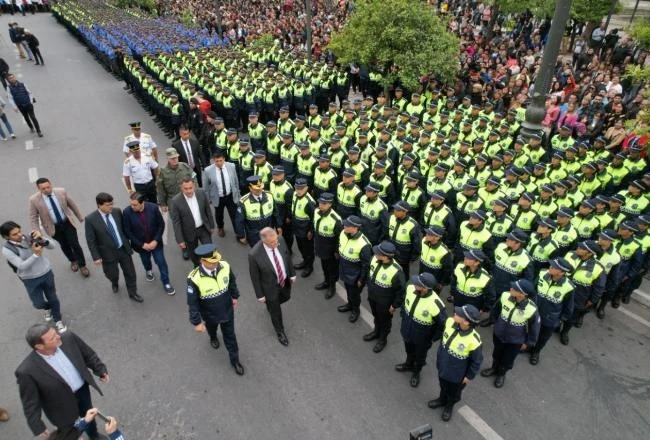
(212,297)
(256,210)
(355,252)
(327,230)
(302,225)
(404,233)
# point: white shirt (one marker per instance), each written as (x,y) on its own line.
(147,145)
(140,171)
(269,253)
(194,207)
(46,200)
(226,178)
(64,368)
(188,152)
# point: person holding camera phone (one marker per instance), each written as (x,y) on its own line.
(22,100)
(24,255)
(75,432)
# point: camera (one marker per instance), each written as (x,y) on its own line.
(424,432)
(39,240)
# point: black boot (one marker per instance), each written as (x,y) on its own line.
(534,357)
(600,311)
(299,266)
(405,366)
(436,403)
(371,336)
(616,302)
(626,299)
(415,377)
(446,413)
(344,308)
(354,315)
(492,371)
(331,290)
(578,323)
(379,346)
(500,380)
(322,286)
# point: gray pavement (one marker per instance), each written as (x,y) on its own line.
(166,381)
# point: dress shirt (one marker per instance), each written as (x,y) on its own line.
(196,212)
(64,368)
(117,231)
(46,200)
(188,152)
(269,253)
(226,178)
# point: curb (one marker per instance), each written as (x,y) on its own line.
(641,297)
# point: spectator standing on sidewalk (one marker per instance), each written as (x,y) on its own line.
(3,116)
(22,100)
(33,44)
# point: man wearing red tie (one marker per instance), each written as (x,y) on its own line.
(272,274)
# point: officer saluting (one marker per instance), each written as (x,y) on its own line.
(459,357)
(212,294)
(423,318)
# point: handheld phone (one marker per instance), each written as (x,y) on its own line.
(102,416)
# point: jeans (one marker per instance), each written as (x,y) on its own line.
(7,124)
(158,255)
(42,292)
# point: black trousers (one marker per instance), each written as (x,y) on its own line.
(84,403)
(623,290)
(406,267)
(354,295)
(416,354)
(37,54)
(504,355)
(545,333)
(148,190)
(227,203)
(112,272)
(330,270)
(66,235)
(383,318)
(274,306)
(450,392)
(287,233)
(229,337)
(202,236)
(306,248)
(30,118)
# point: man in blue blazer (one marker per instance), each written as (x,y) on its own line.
(144,227)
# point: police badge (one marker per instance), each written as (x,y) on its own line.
(461,347)
(425,313)
(556,295)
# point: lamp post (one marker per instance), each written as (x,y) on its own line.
(536,110)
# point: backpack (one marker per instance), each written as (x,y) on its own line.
(13,249)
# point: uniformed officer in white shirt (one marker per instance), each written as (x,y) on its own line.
(147,145)
(139,171)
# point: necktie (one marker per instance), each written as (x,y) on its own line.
(223,183)
(111,231)
(57,213)
(278,267)
(188,153)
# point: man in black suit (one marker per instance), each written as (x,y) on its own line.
(188,151)
(272,274)
(109,246)
(54,379)
(192,218)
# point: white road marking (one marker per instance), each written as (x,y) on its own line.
(478,423)
(33,174)
(29,145)
(634,316)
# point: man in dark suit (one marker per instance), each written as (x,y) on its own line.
(54,379)
(109,245)
(272,274)
(188,151)
(192,218)
(144,227)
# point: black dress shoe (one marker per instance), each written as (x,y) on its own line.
(489,372)
(135,297)
(115,287)
(299,266)
(446,413)
(305,273)
(403,367)
(579,321)
(215,343)
(615,304)
(344,308)
(354,316)
(415,379)
(600,313)
(322,286)
(282,337)
(500,380)
(564,338)
(331,291)
(626,299)
(435,403)
(379,346)
(239,368)
(371,336)
(186,255)
(534,358)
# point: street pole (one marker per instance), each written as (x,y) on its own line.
(308,29)
(636,6)
(536,110)
(611,12)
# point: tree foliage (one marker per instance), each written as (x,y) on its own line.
(593,10)
(581,10)
(404,33)
(640,31)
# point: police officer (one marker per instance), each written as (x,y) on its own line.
(554,301)
(471,283)
(631,252)
(435,256)
(147,144)
(565,235)
(542,248)
(423,319)
(212,294)
(325,177)
(373,213)
(516,328)
(355,252)
(327,229)
(282,193)
(385,292)
(348,194)
(140,170)
(404,233)
(302,225)
(256,211)
(499,223)
(611,261)
(474,235)
(459,358)
(511,261)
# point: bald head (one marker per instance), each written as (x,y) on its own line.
(269,237)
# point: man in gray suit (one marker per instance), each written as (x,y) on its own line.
(272,274)
(221,184)
(109,246)
(192,218)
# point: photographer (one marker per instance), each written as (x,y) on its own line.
(75,432)
(25,256)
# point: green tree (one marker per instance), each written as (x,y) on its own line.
(403,33)
(640,31)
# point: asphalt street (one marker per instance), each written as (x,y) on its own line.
(168,383)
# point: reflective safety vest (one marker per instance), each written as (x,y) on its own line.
(359,168)
(382,274)
(299,205)
(278,191)
(234,151)
(589,187)
(412,196)
(288,154)
(581,275)
(523,219)
(509,261)
(246,161)
(634,205)
(471,284)
(617,173)
(627,250)
(254,210)
(489,197)
(322,178)
(585,226)
(347,196)
(227,101)
(256,132)
(350,248)
(434,184)
(372,209)
(499,226)
(212,286)
(509,307)
(264,171)
(610,258)
(553,291)
(326,224)
(539,251)
(512,192)
(422,309)
(473,239)
(384,183)
(431,256)
(306,165)
(564,237)
(545,209)
(604,219)
(456,344)
(401,234)
(436,217)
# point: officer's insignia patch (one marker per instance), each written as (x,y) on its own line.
(556,294)
(190,289)
(521,311)
(350,250)
(225,279)
(635,206)
(384,276)
(565,238)
(325,228)
(372,213)
(404,231)
(586,229)
(475,242)
(588,274)
(461,347)
(609,266)
(425,313)
(472,289)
